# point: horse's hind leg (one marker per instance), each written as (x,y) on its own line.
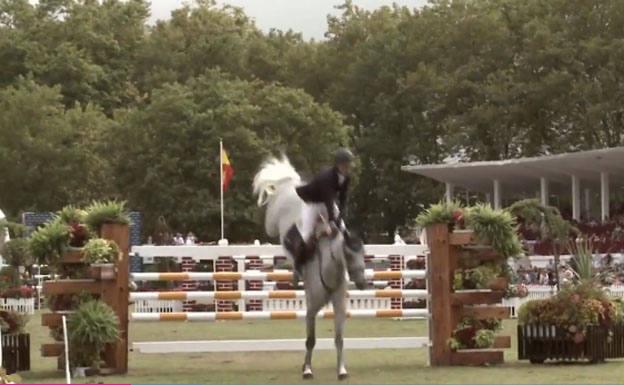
(310,342)
(340,316)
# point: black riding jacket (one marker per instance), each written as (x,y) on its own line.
(326,188)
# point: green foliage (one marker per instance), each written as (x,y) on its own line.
(49,241)
(574,308)
(16,230)
(479,277)
(13,322)
(496,227)
(16,252)
(582,259)
(72,215)
(9,278)
(471,333)
(100,251)
(546,219)
(91,327)
(174,143)
(484,338)
(100,213)
(440,213)
(106,106)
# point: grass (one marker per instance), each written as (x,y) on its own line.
(379,366)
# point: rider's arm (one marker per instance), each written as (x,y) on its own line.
(342,199)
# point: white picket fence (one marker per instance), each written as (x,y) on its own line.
(19,305)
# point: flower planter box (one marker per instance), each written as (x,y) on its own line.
(16,352)
(102,271)
(538,343)
(72,255)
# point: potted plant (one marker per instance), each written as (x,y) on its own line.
(577,323)
(91,328)
(16,253)
(451,214)
(71,215)
(101,255)
(109,212)
(471,333)
(48,243)
(15,342)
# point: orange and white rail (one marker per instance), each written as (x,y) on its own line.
(275,294)
(252,275)
(275,315)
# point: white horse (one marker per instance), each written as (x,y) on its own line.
(324,274)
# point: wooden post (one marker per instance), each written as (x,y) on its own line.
(224,264)
(396,264)
(441,267)
(116,295)
(253,263)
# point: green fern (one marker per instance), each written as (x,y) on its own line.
(100,213)
(92,327)
(48,242)
(496,227)
(100,251)
(71,215)
(440,213)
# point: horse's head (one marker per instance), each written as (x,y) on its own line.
(354,255)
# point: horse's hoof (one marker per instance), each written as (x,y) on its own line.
(307,373)
(343,376)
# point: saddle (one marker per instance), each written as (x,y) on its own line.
(301,252)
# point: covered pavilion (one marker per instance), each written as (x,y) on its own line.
(588,176)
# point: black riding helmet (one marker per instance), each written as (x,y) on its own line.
(343,155)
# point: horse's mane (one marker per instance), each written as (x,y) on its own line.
(272,173)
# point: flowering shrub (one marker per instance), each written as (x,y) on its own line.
(471,333)
(78,235)
(573,309)
(520,290)
(12,322)
(496,227)
(18,292)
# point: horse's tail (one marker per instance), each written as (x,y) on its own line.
(273,173)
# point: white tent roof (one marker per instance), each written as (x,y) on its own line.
(522,175)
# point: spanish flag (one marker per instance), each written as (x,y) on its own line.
(226,169)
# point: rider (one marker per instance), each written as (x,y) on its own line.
(320,197)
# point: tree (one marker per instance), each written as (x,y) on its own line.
(167,158)
(48,152)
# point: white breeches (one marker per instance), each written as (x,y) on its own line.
(310,213)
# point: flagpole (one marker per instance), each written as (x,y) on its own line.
(221,185)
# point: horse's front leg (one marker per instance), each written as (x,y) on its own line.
(340,316)
(310,342)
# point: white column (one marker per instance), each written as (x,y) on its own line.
(497,195)
(587,203)
(488,199)
(576,198)
(544,194)
(449,192)
(604,196)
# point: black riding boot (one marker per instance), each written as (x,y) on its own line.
(295,245)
